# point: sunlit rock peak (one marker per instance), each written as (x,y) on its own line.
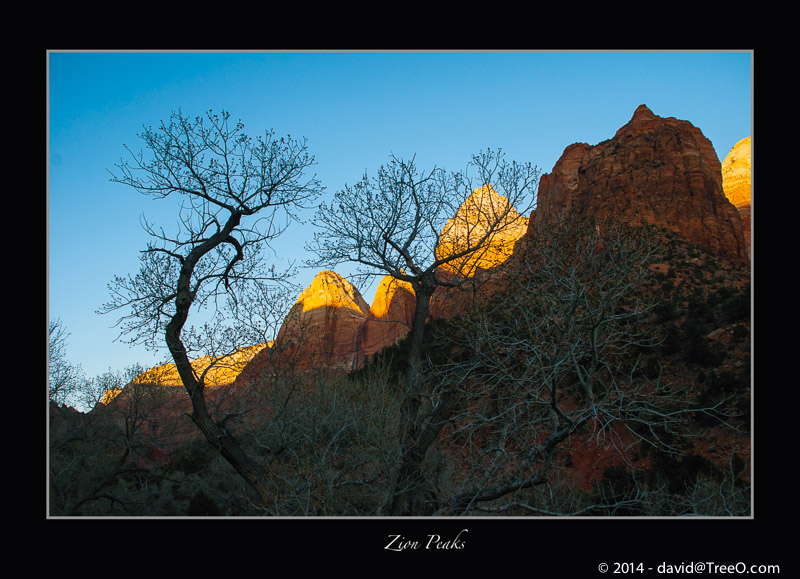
(736,173)
(737,183)
(472,221)
(223,372)
(329,289)
(321,329)
(388,293)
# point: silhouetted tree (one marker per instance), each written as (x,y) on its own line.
(237,194)
(64,379)
(396,223)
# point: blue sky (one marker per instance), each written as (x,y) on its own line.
(355,109)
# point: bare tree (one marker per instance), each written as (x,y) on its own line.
(237,194)
(328,443)
(400,223)
(556,356)
(64,379)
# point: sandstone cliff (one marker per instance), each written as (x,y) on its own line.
(737,182)
(482,210)
(390,316)
(322,328)
(661,171)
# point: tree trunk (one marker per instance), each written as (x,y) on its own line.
(413,393)
(409,492)
(217,435)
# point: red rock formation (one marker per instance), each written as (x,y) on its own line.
(661,171)
(390,315)
(322,328)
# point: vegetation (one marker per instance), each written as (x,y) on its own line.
(607,374)
(330,442)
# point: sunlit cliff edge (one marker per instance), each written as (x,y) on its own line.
(223,372)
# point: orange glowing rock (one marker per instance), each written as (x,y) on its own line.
(321,329)
(736,173)
(483,210)
(329,289)
(390,316)
(109,395)
(223,372)
(737,183)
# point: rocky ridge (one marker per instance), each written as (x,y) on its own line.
(219,371)
(661,171)
(654,170)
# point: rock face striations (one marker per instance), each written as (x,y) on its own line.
(661,171)
(737,182)
(322,328)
